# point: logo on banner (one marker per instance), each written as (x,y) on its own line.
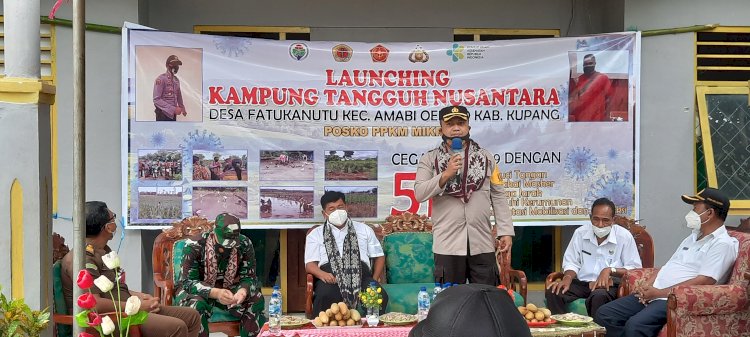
(342,53)
(418,55)
(379,53)
(298,51)
(456,52)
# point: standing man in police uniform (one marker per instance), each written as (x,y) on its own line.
(167,95)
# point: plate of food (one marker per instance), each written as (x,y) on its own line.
(292,322)
(398,318)
(572,319)
(540,324)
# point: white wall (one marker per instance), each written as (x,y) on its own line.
(102,120)
(668,108)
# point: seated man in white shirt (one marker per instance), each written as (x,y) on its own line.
(338,255)
(598,254)
(705,257)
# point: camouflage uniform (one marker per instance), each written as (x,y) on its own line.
(193,291)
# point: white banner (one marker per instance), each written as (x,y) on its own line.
(261,128)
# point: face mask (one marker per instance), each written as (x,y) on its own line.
(174,69)
(588,70)
(601,232)
(338,217)
(449,139)
(227,234)
(693,220)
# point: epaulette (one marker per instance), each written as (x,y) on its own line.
(90,249)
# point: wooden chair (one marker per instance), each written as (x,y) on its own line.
(164,257)
(644,243)
(62,319)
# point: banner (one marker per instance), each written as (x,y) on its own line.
(261,128)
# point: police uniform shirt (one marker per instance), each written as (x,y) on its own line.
(711,256)
(587,258)
(95,265)
(369,246)
(167,94)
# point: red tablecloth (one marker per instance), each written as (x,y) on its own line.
(380,331)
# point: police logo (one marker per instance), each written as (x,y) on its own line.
(342,53)
(379,53)
(298,51)
(419,55)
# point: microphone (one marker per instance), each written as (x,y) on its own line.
(457,147)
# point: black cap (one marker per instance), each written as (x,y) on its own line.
(710,196)
(471,310)
(454,111)
(173,59)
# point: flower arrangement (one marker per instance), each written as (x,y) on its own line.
(89,318)
(372,297)
(18,320)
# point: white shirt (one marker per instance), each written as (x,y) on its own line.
(588,258)
(711,256)
(369,246)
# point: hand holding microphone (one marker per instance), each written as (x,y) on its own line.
(457,159)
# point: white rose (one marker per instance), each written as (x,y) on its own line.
(103,283)
(133,305)
(107,325)
(111,260)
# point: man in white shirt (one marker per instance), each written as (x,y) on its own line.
(338,255)
(597,256)
(705,257)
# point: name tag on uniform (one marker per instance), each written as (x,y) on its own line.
(585,252)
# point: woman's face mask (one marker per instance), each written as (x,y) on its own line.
(693,220)
(338,217)
(601,232)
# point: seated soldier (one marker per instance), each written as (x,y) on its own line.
(218,270)
(338,255)
(705,257)
(597,256)
(167,321)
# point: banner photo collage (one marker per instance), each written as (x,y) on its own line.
(262,128)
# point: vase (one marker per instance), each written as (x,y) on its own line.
(373,316)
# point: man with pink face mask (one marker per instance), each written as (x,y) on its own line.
(705,257)
(338,255)
(597,256)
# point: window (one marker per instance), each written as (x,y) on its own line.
(723,116)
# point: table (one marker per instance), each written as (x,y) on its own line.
(556,330)
(310,331)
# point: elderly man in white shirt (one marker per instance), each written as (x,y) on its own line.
(338,255)
(705,257)
(598,254)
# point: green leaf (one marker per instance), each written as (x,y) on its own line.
(12,328)
(82,319)
(136,319)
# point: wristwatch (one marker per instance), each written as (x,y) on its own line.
(612,270)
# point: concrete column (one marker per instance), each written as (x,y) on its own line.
(26,184)
(21,38)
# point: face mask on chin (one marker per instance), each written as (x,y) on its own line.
(338,217)
(174,70)
(601,232)
(449,139)
(693,220)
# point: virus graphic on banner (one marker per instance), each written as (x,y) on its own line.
(616,187)
(158,139)
(198,140)
(612,154)
(232,46)
(580,163)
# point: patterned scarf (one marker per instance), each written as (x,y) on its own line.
(475,169)
(212,265)
(347,267)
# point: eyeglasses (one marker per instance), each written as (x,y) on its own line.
(114,218)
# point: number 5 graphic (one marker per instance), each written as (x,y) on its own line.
(399,178)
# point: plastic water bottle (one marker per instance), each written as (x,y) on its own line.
(423,303)
(277,291)
(436,290)
(274,313)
